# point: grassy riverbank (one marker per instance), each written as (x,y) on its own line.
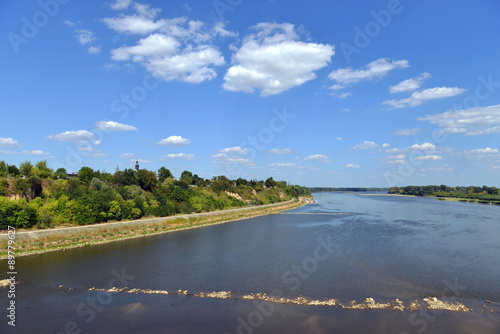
(61,241)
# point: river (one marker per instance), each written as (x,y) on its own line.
(344,249)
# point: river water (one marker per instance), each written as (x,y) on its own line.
(344,249)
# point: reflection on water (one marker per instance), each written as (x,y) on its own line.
(385,248)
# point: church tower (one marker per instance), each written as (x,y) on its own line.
(137,166)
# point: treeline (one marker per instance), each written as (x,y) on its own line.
(482,194)
(46,198)
(327,189)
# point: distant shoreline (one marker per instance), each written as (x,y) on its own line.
(450,199)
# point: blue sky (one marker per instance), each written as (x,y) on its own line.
(328,93)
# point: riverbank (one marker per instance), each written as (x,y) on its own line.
(452,199)
(32,242)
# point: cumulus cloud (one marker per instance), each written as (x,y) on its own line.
(407,132)
(174,49)
(426,148)
(374,70)
(225,159)
(419,97)
(318,158)
(35,152)
(428,157)
(9,143)
(183,156)
(282,164)
(120,4)
(386,145)
(8,152)
(234,150)
(80,135)
(480,154)
(280,151)
(84,36)
(94,50)
(473,121)
(394,159)
(274,59)
(174,141)
(351,165)
(367,145)
(409,85)
(113,126)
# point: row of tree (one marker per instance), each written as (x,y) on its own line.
(344,189)
(95,197)
(483,193)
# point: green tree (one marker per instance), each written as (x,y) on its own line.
(85,174)
(187,177)
(163,174)
(241,181)
(3,169)
(35,184)
(147,180)
(42,170)
(179,194)
(60,173)
(13,171)
(270,183)
(26,168)
(20,186)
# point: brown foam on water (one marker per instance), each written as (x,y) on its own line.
(431,303)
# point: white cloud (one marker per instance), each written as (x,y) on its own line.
(8,152)
(480,154)
(94,50)
(127,156)
(234,150)
(367,145)
(273,59)
(80,135)
(219,29)
(113,126)
(318,157)
(473,121)
(339,138)
(84,36)
(282,164)
(174,141)
(224,159)
(394,159)
(183,156)
(352,166)
(419,97)
(280,151)
(36,152)
(374,70)
(177,52)
(69,23)
(407,132)
(341,95)
(426,148)
(410,84)
(9,143)
(120,4)
(385,145)
(428,157)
